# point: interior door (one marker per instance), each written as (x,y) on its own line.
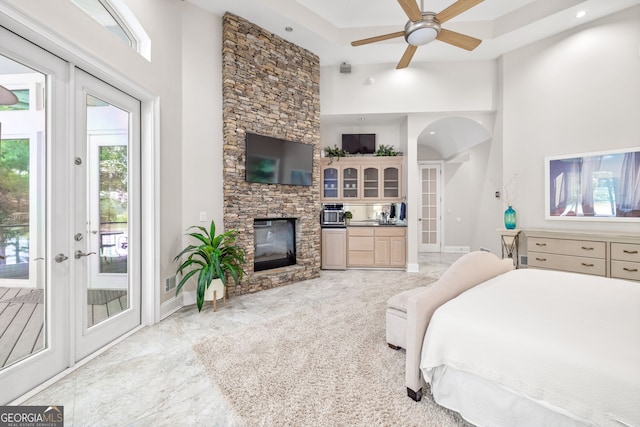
(35,262)
(107,213)
(430,239)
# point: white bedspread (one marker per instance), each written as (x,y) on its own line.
(565,340)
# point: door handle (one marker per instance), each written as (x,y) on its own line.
(79,254)
(60,258)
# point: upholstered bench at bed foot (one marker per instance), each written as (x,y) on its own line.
(397,318)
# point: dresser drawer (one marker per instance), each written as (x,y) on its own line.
(360,259)
(359,231)
(575,264)
(625,252)
(625,270)
(580,248)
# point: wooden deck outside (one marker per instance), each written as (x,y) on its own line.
(22,318)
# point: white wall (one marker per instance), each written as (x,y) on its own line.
(201,166)
(423,87)
(573,93)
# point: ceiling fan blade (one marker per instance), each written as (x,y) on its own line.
(412,10)
(456,9)
(458,40)
(406,58)
(377,38)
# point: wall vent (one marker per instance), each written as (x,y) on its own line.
(524,260)
(170,283)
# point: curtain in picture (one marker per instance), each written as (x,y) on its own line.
(628,200)
(590,165)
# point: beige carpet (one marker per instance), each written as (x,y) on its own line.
(322,366)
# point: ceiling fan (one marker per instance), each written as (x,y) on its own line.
(424,27)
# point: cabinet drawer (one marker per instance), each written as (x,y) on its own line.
(360,231)
(575,264)
(360,259)
(625,270)
(358,243)
(391,231)
(625,252)
(580,248)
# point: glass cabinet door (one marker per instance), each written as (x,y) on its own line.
(391,182)
(330,183)
(350,183)
(370,183)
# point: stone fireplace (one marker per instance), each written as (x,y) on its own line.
(274,243)
(270,87)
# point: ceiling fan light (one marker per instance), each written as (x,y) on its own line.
(422,36)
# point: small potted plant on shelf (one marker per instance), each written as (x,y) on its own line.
(212,259)
(334,151)
(387,150)
(347,217)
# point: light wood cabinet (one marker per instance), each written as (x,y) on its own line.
(361,179)
(383,247)
(334,249)
(625,260)
(584,252)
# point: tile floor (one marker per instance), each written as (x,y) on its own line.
(153,378)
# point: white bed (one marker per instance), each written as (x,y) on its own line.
(538,348)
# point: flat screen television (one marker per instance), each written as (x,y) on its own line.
(359,143)
(278,161)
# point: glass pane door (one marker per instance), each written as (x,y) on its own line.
(430,209)
(107,212)
(34,202)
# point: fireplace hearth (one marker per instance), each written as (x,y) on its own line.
(274,243)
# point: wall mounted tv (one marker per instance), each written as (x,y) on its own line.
(359,143)
(278,161)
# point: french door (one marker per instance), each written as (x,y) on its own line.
(429,223)
(69,216)
(107,213)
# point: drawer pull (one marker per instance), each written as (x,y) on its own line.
(629,252)
(541,244)
(587,248)
(588,265)
(540,259)
(630,270)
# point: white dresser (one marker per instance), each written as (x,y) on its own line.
(601,254)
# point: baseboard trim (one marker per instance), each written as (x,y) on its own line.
(457,249)
(413,268)
(171,306)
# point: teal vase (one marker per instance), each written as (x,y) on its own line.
(510,218)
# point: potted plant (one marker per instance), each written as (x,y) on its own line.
(215,257)
(334,151)
(387,150)
(347,217)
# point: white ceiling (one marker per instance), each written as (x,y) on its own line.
(326,27)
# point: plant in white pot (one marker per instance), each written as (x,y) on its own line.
(213,259)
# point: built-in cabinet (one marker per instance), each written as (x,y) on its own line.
(361,179)
(334,249)
(584,252)
(376,247)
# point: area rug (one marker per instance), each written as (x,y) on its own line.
(324,365)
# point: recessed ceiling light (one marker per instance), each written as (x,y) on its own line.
(288,29)
(581,14)
(433,132)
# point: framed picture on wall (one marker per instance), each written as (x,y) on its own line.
(594,186)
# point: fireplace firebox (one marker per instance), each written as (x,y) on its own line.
(274,243)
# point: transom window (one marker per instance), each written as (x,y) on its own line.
(118,19)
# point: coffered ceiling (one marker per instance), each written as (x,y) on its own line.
(326,27)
